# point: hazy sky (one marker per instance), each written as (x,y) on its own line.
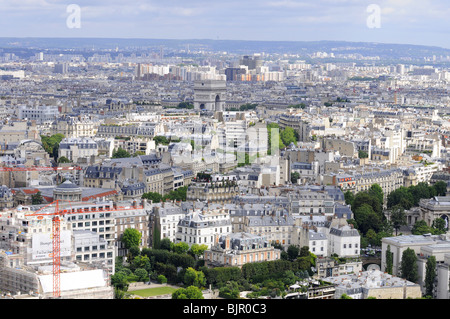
(401,21)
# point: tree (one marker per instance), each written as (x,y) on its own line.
(120,280)
(389,260)
(166,244)
(154,197)
(63,159)
(408,266)
(195,278)
(294,177)
(141,274)
(197,250)
(369,199)
(430,275)
(293,252)
(401,196)
(161,140)
(441,188)
(420,227)
(37,199)
(398,217)
(439,226)
(51,144)
(288,136)
(377,191)
(120,153)
(363,154)
(349,198)
(371,236)
(190,292)
(131,237)
(367,218)
(181,248)
(162,279)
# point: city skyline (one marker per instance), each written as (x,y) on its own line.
(387,21)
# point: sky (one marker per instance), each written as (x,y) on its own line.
(422,22)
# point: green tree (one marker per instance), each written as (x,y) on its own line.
(185,105)
(141,274)
(430,275)
(51,144)
(408,265)
(195,278)
(349,198)
(131,237)
(37,199)
(197,250)
(161,140)
(63,159)
(398,217)
(367,218)
(166,244)
(401,196)
(120,153)
(190,292)
(363,154)
(440,188)
(154,197)
(389,260)
(294,177)
(181,248)
(369,199)
(293,252)
(420,227)
(120,280)
(162,279)
(288,136)
(376,191)
(371,236)
(439,226)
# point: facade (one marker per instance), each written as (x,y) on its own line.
(237,249)
(76,148)
(91,249)
(201,227)
(40,114)
(132,216)
(212,192)
(333,267)
(344,241)
(164,221)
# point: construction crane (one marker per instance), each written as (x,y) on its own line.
(56,240)
(62,208)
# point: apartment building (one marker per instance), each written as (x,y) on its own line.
(200,227)
(237,249)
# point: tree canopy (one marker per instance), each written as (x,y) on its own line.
(131,237)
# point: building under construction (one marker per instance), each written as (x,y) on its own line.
(26,263)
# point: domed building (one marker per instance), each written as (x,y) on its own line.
(67,191)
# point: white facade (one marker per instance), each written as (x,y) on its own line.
(40,114)
(201,227)
(344,241)
(75,148)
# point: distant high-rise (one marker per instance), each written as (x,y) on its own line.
(251,62)
(61,68)
(234,74)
